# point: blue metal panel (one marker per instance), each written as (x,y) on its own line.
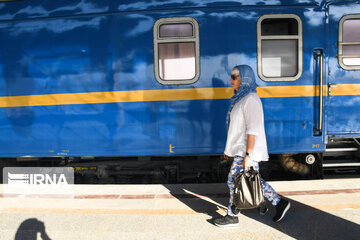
(289,125)
(108,46)
(343,111)
(53,9)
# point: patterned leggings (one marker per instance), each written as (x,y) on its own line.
(236,167)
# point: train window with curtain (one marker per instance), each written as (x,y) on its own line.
(176,50)
(349,42)
(279,47)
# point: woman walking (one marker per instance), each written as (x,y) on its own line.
(246,142)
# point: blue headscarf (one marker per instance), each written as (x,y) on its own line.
(248,85)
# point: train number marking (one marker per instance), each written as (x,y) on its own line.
(316,146)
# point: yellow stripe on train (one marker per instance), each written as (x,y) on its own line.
(170,95)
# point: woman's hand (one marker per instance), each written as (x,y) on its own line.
(226,156)
(247,163)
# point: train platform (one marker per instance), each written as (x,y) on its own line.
(320,209)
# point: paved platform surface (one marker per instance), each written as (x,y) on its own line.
(320,209)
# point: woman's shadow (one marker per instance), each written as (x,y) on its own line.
(29,229)
(301,221)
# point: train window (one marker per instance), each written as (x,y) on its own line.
(176,30)
(279,47)
(349,42)
(176,50)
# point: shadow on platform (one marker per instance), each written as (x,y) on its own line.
(301,222)
(29,229)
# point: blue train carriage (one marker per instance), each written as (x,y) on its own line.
(134,81)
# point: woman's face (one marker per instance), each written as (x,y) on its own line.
(235,81)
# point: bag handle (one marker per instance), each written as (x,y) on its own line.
(250,173)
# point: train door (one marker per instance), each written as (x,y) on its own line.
(343,92)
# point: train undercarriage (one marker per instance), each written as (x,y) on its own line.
(341,158)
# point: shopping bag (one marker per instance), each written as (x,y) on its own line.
(248,190)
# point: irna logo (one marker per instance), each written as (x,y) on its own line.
(38,176)
(37,179)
